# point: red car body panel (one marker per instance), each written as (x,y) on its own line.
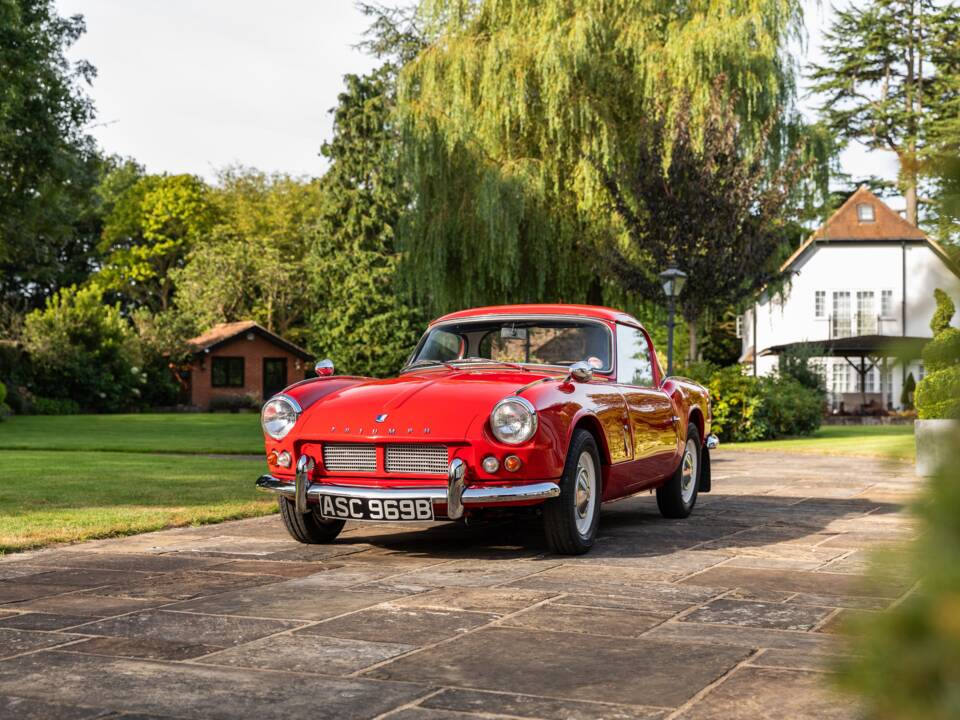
(640,431)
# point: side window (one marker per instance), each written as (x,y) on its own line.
(633,357)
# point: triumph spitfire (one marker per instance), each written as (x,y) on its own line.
(549,409)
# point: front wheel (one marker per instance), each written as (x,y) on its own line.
(570,521)
(678,495)
(309,527)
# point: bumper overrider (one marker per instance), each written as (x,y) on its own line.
(455,497)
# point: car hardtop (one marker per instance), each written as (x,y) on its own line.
(593,312)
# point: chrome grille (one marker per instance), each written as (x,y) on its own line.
(420,459)
(350,457)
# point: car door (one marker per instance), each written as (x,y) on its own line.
(653,425)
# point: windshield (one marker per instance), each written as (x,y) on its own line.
(514,340)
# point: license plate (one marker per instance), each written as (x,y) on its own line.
(340,507)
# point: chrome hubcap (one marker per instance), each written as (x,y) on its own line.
(585,498)
(688,471)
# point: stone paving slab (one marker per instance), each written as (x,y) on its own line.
(732,613)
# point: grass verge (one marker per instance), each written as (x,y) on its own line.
(894,442)
(156,433)
(58,497)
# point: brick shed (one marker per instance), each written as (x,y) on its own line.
(241,363)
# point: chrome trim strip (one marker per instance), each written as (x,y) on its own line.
(481,495)
(713,442)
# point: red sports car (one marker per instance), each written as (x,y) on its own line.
(549,409)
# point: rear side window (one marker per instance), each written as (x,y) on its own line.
(634,366)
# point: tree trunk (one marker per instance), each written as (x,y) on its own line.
(694,349)
(911,194)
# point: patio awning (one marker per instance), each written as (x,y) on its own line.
(861,346)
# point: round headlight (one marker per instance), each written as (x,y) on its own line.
(279,416)
(513,420)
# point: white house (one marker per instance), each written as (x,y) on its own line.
(861,288)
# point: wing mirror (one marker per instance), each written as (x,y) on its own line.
(581,372)
(324,368)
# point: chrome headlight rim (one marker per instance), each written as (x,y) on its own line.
(294,407)
(528,407)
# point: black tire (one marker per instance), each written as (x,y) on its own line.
(560,514)
(309,528)
(670,496)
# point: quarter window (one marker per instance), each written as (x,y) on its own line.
(227,372)
(865,212)
(634,365)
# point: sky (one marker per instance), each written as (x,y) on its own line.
(191,87)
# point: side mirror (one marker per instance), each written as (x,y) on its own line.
(324,368)
(581,372)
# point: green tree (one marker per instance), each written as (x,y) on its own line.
(252,264)
(83,350)
(48,163)
(891,80)
(151,227)
(363,321)
(511,108)
(710,206)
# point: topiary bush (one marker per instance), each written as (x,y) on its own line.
(938,394)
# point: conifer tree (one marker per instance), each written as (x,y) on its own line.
(891,81)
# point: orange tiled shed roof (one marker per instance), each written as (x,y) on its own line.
(219,334)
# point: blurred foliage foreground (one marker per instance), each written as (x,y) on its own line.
(905,663)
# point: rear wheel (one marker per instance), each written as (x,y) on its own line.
(309,527)
(678,495)
(570,521)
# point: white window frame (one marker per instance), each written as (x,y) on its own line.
(820,304)
(886,309)
(862,217)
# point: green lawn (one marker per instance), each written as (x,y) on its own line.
(169,433)
(78,477)
(886,441)
(50,497)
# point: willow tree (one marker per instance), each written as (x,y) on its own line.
(512,107)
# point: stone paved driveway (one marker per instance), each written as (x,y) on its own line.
(726,615)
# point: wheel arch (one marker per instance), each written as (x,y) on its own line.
(696,418)
(591,424)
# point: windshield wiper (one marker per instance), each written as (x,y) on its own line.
(474,359)
(428,362)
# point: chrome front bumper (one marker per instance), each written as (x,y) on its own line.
(456,496)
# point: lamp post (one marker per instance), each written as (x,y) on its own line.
(672,279)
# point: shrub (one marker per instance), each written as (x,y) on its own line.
(54,406)
(746,408)
(907,391)
(790,407)
(83,350)
(938,394)
(797,365)
(4,410)
(234,403)
(737,406)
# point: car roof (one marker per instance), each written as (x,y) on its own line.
(588,311)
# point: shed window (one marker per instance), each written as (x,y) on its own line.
(227,372)
(865,212)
